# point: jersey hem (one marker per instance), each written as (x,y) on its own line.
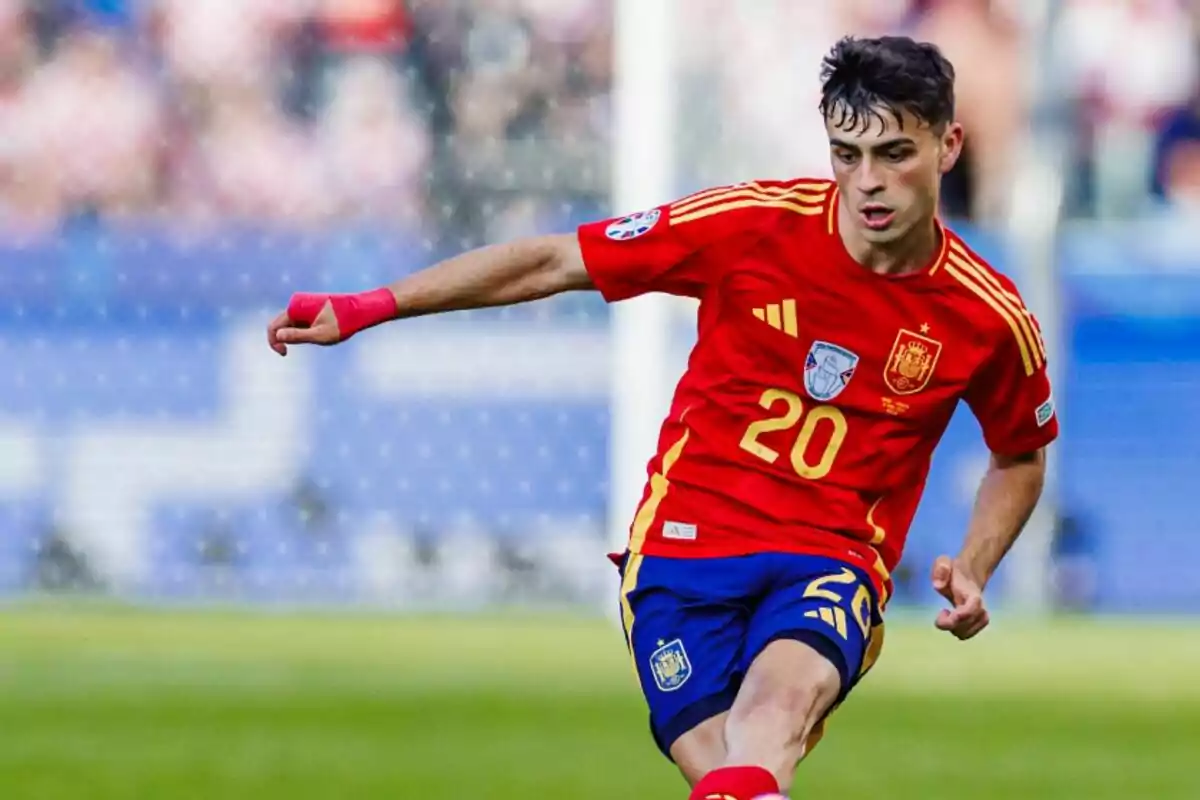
(859,555)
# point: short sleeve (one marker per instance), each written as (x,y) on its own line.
(653,251)
(1012,398)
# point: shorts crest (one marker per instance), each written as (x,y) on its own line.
(670,666)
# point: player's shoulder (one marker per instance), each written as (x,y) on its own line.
(989,297)
(755,201)
(962,255)
(981,286)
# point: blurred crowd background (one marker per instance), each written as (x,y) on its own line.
(170,170)
(486,118)
(477,117)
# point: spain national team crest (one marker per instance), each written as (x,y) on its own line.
(670,666)
(911,362)
(633,226)
(827,370)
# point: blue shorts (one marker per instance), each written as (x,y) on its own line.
(694,625)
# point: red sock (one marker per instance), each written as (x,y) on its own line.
(735,783)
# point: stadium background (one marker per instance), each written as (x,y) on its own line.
(378,569)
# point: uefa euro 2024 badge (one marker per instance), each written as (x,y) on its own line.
(633,226)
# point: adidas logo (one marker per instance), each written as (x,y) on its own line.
(834,617)
(780,316)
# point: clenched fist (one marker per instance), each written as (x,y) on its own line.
(326,319)
(968,616)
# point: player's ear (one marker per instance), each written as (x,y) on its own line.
(951,146)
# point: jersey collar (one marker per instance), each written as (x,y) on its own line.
(932,268)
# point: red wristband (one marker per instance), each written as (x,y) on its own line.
(353,312)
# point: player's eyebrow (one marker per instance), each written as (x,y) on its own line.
(884,145)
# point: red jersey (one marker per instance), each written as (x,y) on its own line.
(817,390)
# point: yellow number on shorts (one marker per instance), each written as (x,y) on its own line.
(817,587)
(860,606)
(793,411)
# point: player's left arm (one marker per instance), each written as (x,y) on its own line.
(1011,398)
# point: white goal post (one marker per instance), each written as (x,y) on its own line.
(643,176)
(1037,195)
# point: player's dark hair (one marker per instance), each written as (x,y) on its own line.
(859,77)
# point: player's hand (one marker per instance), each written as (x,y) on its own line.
(306,321)
(968,616)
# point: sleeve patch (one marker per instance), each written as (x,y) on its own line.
(633,226)
(1045,412)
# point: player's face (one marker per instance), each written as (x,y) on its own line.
(889,170)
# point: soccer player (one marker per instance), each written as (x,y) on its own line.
(840,324)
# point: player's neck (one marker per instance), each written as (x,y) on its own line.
(913,253)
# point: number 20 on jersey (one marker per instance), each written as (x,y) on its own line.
(812,466)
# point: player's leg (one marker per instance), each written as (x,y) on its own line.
(700,750)
(809,643)
(686,622)
(788,690)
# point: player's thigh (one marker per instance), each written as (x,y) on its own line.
(830,608)
(686,624)
(788,689)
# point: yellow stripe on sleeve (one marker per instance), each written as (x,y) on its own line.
(801,192)
(987,297)
(831,218)
(1006,298)
(735,205)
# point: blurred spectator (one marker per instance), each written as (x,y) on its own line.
(96,122)
(1125,62)
(216,44)
(347,31)
(357,27)
(374,147)
(985,44)
(29,202)
(1074,571)
(249,161)
(1176,173)
(754,82)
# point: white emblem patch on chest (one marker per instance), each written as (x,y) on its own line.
(827,370)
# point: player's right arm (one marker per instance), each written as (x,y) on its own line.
(501,274)
(621,258)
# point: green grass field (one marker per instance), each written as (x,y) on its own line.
(107,704)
